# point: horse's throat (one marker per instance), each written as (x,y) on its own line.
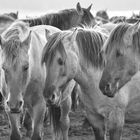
(90,93)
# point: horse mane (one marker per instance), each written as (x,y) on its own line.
(12,38)
(90,42)
(116,38)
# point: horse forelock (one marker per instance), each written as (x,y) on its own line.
(13,38)
(54,44)
(90,43)
(115,39)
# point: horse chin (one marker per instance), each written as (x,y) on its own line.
(55,102)
(109,94)
(15,111)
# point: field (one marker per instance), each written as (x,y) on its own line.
(78,131)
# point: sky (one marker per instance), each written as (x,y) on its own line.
(47,5)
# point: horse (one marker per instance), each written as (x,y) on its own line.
(65,19)
(59,113)
(122,58)
(24,76)
(102,16)
(133,19)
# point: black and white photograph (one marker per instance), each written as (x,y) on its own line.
(69,69)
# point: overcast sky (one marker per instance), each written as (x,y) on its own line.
(45,5)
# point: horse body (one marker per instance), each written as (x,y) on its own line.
(122,57)
(65,19)
(21,49)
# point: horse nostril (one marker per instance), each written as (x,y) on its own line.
(53,97)
(7,103)
(20,103)
(108,87)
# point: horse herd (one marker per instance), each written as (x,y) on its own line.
(44,59)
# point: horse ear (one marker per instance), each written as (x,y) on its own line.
(106,10)
(89,8)
(128,37)
(17,14)
(27,40)
(79,9)
(47,34)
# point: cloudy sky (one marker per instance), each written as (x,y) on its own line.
(45,5)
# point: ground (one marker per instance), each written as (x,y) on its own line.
(76,132)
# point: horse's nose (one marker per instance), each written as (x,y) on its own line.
(15,107)
(107,87)
(51,100)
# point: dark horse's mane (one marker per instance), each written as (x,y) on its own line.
(116,39)
(64,19)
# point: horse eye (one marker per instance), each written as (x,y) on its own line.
(4,68)
(25,68)
(118,53)
(60,61)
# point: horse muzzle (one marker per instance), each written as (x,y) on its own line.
(54,100)
(15,110)
(107,89)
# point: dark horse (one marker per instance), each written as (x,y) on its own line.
(6,20)
(65,19)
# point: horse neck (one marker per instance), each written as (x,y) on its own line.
(35,52)
(88,78)
(63,20)
(54,19)
(37,21)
